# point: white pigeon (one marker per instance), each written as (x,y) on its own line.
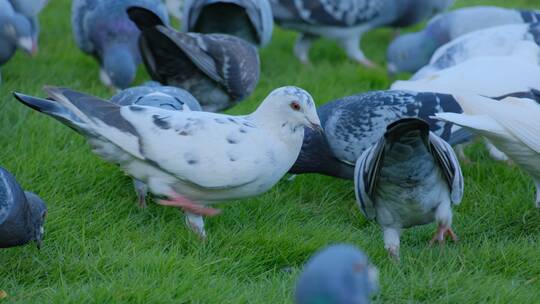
(492,76)
(193,158)
(512,125)
(495,41)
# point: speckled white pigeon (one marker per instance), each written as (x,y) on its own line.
(193,158)
(512,125)
(410,177)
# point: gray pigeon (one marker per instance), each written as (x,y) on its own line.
(410,177)
(30,9)
(193,158)
(338,274)
(153,94)
(219,70)
(250,20)
(353,124)
(15,32)
(410,52)
(347,20)
(102,29)
(22,214)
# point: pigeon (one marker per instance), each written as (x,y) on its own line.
(218,69)
(494,41)
(22,213)
(102,29)
(250,20)
(412,51)
(511,125)
(152,94)
(338,274)
(193,158)
(410,177)
(347,20)
(15,32)
(490,76)
(353,124)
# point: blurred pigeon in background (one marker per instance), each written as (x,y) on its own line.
(15,32)
(494,41)
(250,20)
(410,52)
(153,94)
(219,70)
(22,214)
(193,158)
(30,9)
(511,125)
(347,20)
(102,29)
(353,124)
(338,274)
(410,177)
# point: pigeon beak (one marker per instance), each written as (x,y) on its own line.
(316,127)
(29,45)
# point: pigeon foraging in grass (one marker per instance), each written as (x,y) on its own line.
(338,274)
(219,70)
(103,29)
(410,177)
(22,213)
(347,20)
(193,158)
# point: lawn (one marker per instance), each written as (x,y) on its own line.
(99,247)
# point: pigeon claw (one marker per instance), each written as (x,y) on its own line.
(189,206)
(440,235)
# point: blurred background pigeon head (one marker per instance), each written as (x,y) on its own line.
(408,53)
(38,212)
(339,274)
(17,30)
(119,67)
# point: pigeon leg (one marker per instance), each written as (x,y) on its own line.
(391,241)
(442,232)
(189,206)
(495,153)
(443,215)
(142,190)
(196,224)
(352,48)
(302,46)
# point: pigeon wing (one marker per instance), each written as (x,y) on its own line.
(366,176)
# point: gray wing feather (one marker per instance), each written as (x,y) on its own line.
(366,175)
(11,194)
(448,162)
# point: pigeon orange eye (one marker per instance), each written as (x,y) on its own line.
(295,106)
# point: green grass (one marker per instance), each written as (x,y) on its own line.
(100,248)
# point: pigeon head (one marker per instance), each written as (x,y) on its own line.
(290,106)
(18,30)
(339,274)
(38,212)
(119,65)
(409,53)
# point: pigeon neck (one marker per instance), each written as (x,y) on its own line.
(271,118)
